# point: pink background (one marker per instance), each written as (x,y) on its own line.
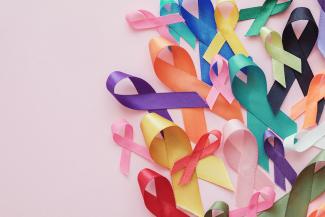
(57,157)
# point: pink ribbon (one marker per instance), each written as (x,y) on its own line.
(127,144)
(254,205)
(143,19)
(241,153)
(221,83)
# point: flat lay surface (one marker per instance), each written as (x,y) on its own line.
(57,155)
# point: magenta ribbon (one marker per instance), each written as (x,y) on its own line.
(148,99)
(128,145)
(274,149)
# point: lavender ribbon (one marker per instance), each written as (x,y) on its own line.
(321,37)
(282,168)
(148,99)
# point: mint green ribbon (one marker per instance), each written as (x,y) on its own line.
(262,14)
(177,30)
(253,96)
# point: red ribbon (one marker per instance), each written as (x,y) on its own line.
(163,203)
(202,150)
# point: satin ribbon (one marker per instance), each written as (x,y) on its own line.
(252,96)
(221,82)
(204,28)
(162,204)
(308,186)
(273,45)
(201,150)
(262,14)
(309,104)
(275,151)
(306,139)
(221,209)
(177,30)
(301,48)
(127,144)
(321,38)
(174,145)
(241,153)
(180,75)
(319,212)
(226,26)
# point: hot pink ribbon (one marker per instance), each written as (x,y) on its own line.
(254,205)
(127,144)
(143,19)
(241,153)
(221,83)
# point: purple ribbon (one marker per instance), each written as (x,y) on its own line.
(148,99)
(275,151)
(321,37)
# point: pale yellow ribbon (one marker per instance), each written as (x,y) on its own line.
(226,31)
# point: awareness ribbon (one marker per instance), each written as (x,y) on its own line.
(127,144)
(262,14)
(221,82)
(240,151)
(204,28)
(319,212)
(226,27)
(221,209)
(181,76)
(252,95)
(174,145)
(201,150)
(306,139)
(177,30)
(273,45)
(282,168)
(309,104)
(301,48)
(321,38)
(143,19)
(163,203)
(308,186)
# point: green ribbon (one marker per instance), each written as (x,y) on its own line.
(261,14)
(309,185)
(177,30)
(253,96)
(221,207)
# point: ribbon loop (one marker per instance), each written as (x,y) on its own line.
(226,26)
(282,168)
(319,212)
(273,44)
(163,203)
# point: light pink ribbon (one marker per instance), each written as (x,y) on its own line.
(127,144)
(241,153)
(221,83)
(143,19)
(254,205)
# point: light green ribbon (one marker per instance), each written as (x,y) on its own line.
(273,45)
(262,14)
(252,95)
(309,185)
(177,30)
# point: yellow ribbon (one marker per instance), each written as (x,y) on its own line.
(168,143)
(226,27)
(273,45)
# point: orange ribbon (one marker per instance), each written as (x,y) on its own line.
(308,105)
(180,75)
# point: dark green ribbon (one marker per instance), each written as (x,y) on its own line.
(262,14)
(218,206)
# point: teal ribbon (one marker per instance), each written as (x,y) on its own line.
(177,30)
(262,14)
(253,96)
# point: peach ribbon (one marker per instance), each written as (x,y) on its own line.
(241,153)
(143,19)
(308,105)
(221,83)
(180,75)
(319,212)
